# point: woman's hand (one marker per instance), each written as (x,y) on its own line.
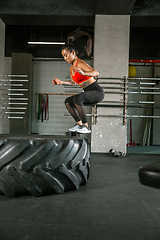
(79,70)
(84,69)
(56,81)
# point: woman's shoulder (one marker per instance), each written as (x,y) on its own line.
(80,62)
(71,69)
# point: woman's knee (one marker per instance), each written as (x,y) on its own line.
(77,100)
(68,100)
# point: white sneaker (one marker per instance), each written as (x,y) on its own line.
(74,128)
(83,129)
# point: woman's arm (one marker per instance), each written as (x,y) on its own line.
(57,81)
(84,69)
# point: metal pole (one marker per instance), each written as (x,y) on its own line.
(152,93)
(13,80)
(13,85)
(12,75)
(12,117)
(17,99)
(15,94)
(145,102)
(125,101)
(143,88)
(128,116)
(142,83)
(123,105)
(156,93)
(110,82)
(114,78)
(142,78)
(57,93)
(12,112)
(13,89)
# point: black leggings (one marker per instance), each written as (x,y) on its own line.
(75,104)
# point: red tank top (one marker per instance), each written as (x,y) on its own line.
(77,77)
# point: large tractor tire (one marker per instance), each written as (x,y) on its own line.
(41,165)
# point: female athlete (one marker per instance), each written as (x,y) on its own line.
(83,75)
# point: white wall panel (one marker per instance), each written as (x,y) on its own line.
(43,73)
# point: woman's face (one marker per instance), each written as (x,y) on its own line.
(68,56)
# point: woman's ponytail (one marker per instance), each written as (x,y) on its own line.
(80,33)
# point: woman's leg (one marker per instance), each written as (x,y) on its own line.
(82,113)
(80,99)
(92,94)
(72,109)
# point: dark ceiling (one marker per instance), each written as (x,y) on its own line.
(18,36)
(52,20)
(50,12)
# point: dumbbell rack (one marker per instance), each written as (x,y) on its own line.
(120,86)
(13,103)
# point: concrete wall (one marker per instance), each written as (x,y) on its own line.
(111,55)
(2,42)
(2,45)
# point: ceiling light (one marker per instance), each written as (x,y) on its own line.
(49,43)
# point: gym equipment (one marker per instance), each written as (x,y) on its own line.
(144,61)
(40,165)
(131,143)
(131,71)
(12,94)
(122,85)
(150,174)
(115,153)
(42,107)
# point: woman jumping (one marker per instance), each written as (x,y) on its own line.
(83,75)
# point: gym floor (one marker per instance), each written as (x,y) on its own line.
(113,205)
